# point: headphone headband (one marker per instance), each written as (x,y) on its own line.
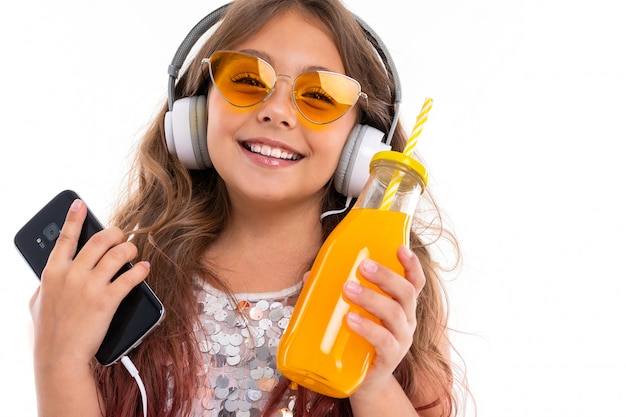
(185,47)
(383,52)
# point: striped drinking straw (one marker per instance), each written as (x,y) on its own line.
(409,148)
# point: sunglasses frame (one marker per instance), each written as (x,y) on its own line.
(208,61)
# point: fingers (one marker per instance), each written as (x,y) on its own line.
(102,257)
(396,325)
(395,310)
(129,279)
(402,290)
(412,267)
(106,252)
(98,261)
(67,242)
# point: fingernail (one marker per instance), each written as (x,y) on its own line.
(76,205)
(406,251)
(353,287)
(369,266)
(353,317)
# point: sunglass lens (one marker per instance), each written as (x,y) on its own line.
(241,79)
(323,97)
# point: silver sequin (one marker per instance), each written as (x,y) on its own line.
(238,339)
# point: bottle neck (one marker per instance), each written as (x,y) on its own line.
(391,186)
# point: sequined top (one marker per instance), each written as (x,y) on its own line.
(239,350)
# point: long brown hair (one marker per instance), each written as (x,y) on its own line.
(173,214)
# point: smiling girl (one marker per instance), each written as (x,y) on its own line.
(220,245)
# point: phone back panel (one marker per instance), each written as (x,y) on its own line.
(36,238)
(137,314)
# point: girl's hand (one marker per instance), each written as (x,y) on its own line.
(74,304)
(393,339)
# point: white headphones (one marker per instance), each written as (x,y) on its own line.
(186,120)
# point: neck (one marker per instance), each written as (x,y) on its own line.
(266,250)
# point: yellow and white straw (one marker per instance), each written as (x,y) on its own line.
(409,148)
(417,129)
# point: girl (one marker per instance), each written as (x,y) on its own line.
(214,244)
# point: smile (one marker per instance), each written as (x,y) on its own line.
(269,151)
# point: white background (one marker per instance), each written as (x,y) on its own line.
(524,145)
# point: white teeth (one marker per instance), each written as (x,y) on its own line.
(266,150)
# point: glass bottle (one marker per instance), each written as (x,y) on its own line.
(318,350)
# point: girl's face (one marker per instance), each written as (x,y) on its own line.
(269,152)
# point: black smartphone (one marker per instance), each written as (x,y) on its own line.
(138,313)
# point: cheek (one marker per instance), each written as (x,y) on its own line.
(340,135)
(218,123)
(331,145)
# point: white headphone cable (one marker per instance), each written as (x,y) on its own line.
(330,212)
(132,370)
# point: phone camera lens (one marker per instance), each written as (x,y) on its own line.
(51,231)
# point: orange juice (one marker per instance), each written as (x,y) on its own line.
(318,350)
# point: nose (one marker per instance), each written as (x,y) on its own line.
(279,107)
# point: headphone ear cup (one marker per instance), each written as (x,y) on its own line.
(354,164)
(185,132)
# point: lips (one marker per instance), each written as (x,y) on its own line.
(271,151)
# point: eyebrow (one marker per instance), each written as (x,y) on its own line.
(268,58)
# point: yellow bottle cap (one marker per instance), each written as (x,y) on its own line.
(402,159)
